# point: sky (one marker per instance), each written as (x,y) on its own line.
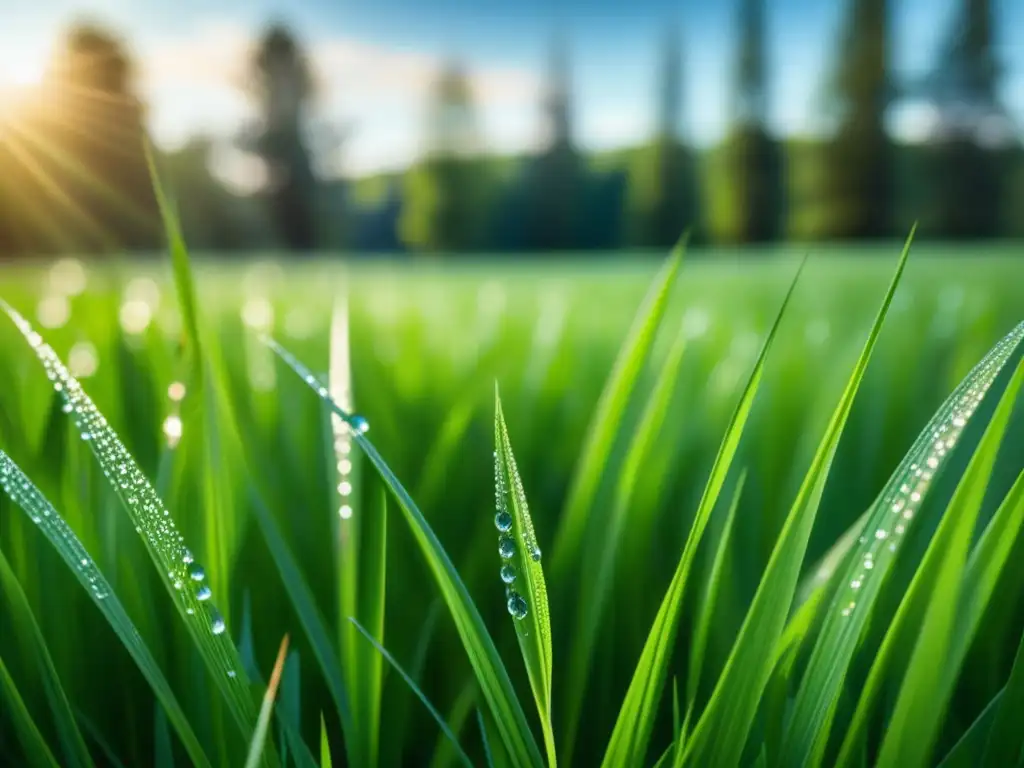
(375,60)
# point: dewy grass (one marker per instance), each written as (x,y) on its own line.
(891,517)
(526,593)
(276,483)
(23,493)
(483,655)
(184,577)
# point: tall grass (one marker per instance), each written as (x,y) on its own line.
(823,590)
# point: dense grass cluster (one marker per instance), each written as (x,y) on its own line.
(695,529)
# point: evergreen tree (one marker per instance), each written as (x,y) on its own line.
(662,194)
(445,191)
(557,173)
(966,171)
(752,158)
(284,89)
(856,178)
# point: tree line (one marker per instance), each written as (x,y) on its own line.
(73,175)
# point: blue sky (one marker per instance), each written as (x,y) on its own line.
(375,59)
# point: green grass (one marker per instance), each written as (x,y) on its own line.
(687,608)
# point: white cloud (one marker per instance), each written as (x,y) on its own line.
(197,83)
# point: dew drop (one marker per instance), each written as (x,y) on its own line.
(177,584)
(506,547)
(503,521)
(231,673)
(508,573)
(359,423)
(203,593)
(217,625)
(535,553)
(67,408)
(517,605)
(196,572)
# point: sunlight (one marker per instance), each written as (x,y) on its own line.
(20,72)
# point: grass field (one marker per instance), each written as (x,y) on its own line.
(253,472)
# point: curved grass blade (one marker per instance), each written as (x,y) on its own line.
(1005,744)
(887,521)
(259,738)
(302,600)
(180,263)
(979,581)
(928,682)
(483,655)
(183,577)
(967,752)
(528,603)
(604,424)
(22,620)
(632,732)
(419,694)
(709,601)
(483,738)
(722,731)
(36,749)
(599,571)
(23,493)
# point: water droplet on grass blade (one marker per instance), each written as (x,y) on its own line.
(508,573)
(359,423)
(203,593)
(196,572)
(517,605)
(506,547)
(503,521)
(217,623)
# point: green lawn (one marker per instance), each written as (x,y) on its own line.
(253,488)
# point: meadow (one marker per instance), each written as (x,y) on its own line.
(697,601)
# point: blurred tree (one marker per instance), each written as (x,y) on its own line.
(284,88)
(973,129)
(445,193)
(856,180)
(556,175)
(73,161)
(753,161)
(662,197)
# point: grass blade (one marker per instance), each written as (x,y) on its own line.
(23,621)
(886,522)
(709,599)
(483,738)
(483,655)
(36,749)
(259,738)
(180,263)
(978,584)
(325,745)
(517,543)
(419,694)
(181,575)
(304,603)
(599,572)
(721,733)
(1005,744)
(605,422)
(967,752)
(23,493)
(916,719)
(632,732)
